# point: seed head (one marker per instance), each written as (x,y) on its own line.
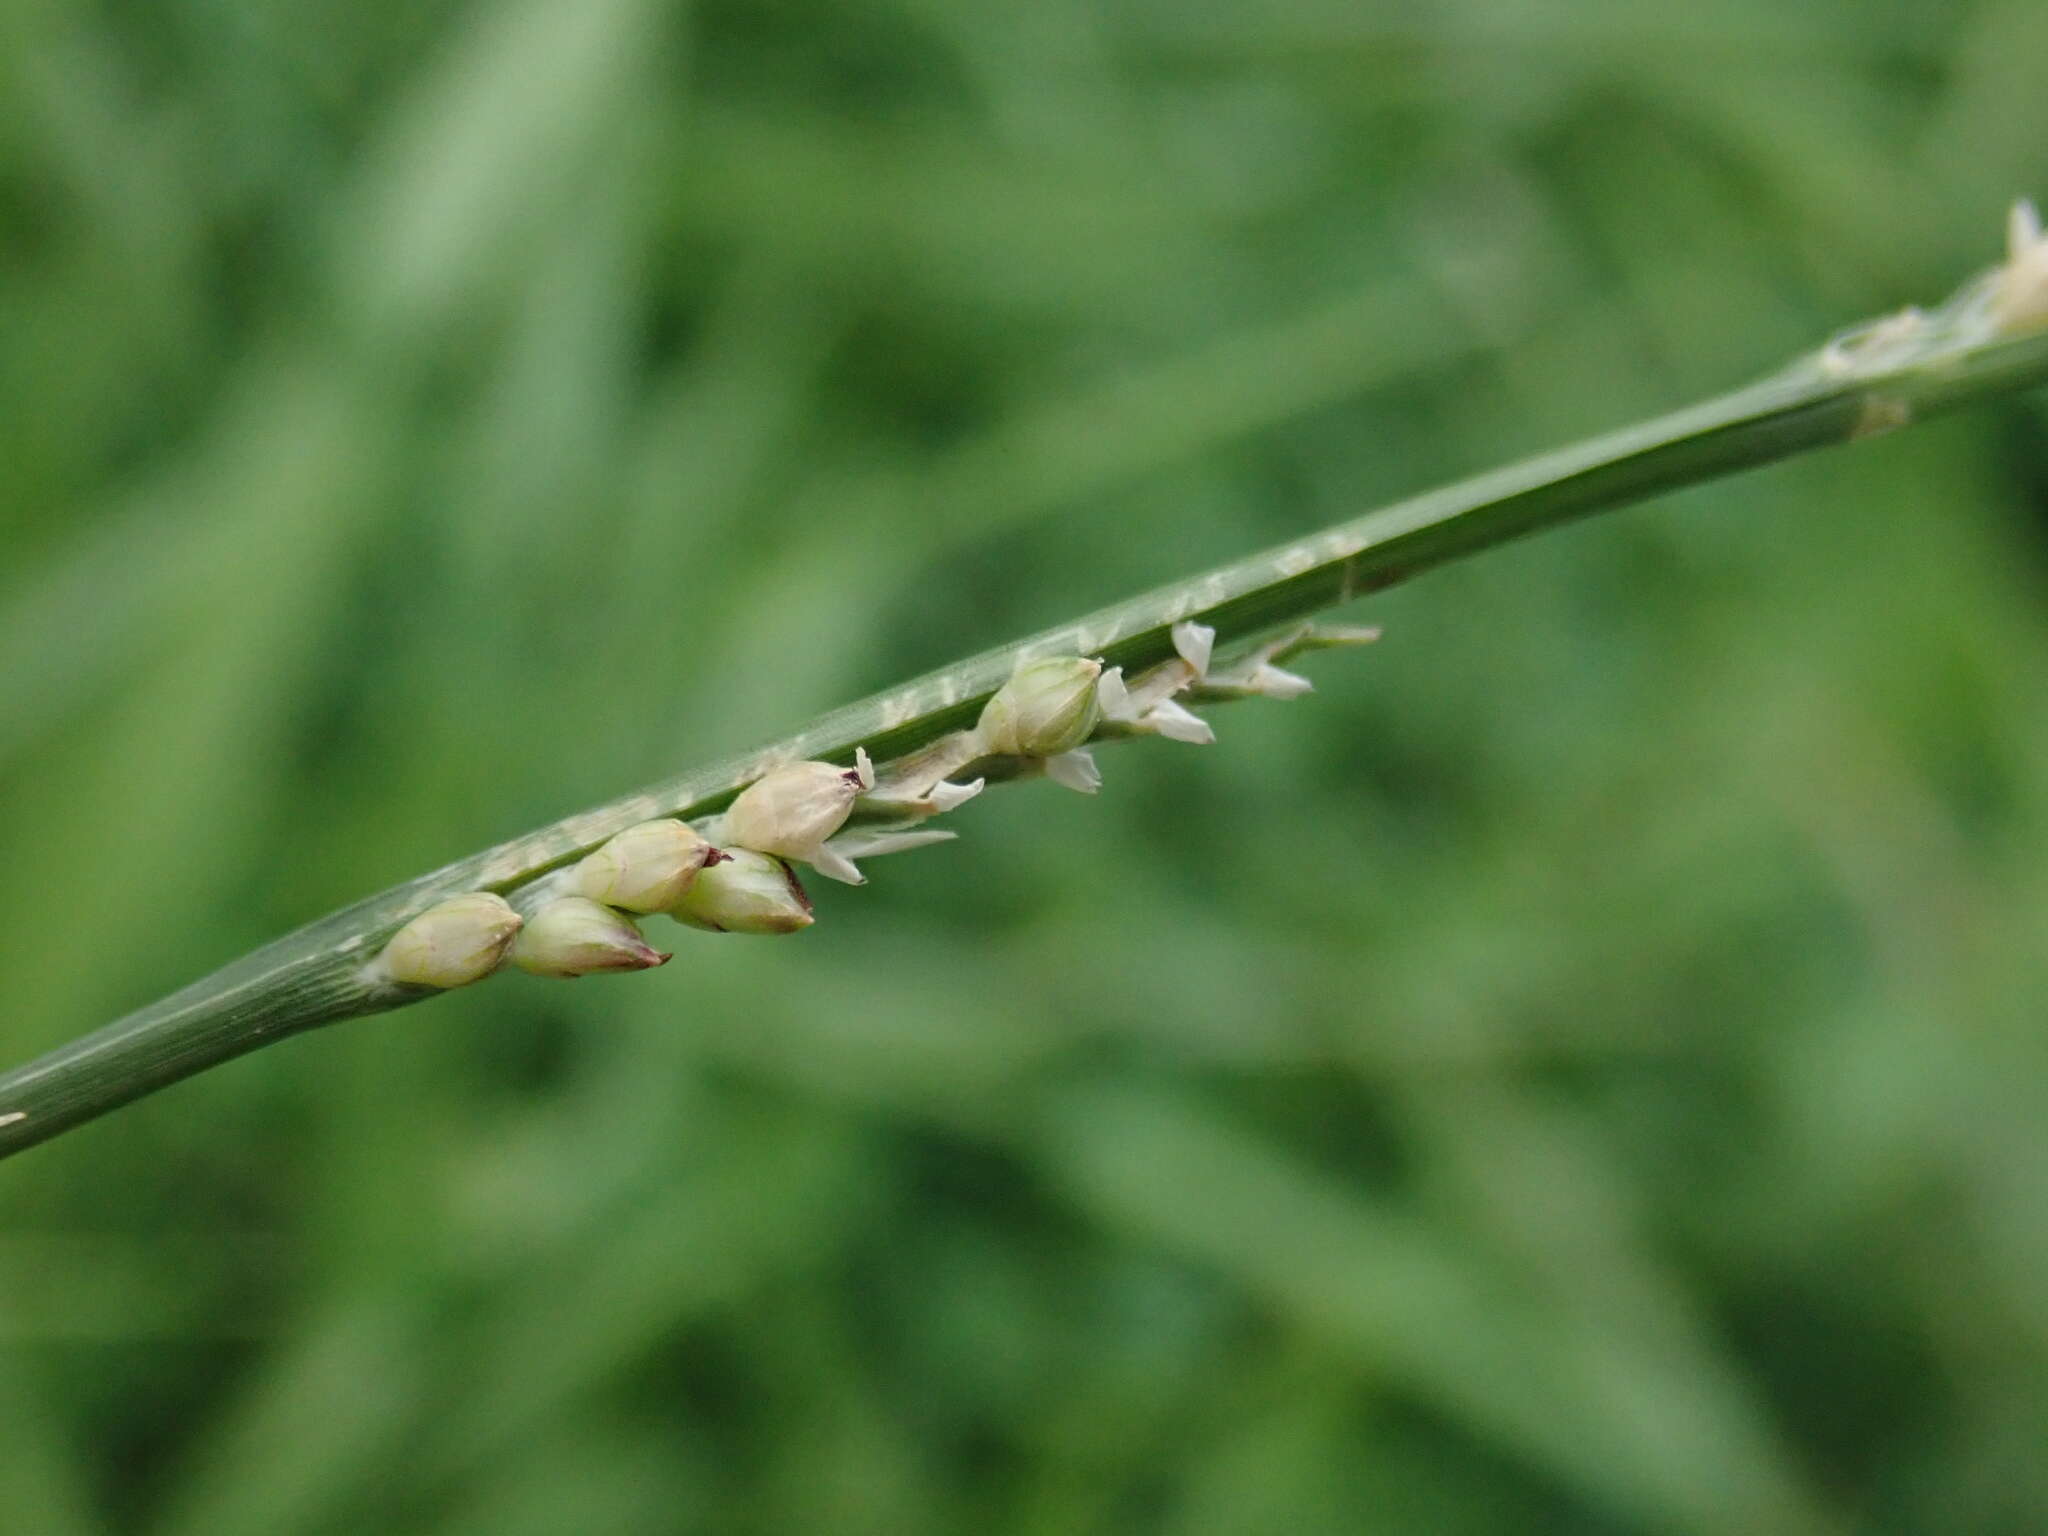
(1047,707)
(745,892)
(645,868)
(575,936)
(791,810)
(453,942)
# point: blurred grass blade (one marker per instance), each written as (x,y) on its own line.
(1600,1403)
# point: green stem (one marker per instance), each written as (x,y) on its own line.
(314,976)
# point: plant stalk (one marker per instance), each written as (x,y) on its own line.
(315,976)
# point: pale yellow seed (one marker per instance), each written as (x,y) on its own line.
(646,868)
(453,942)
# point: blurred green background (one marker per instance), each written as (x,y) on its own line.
(1581,1071)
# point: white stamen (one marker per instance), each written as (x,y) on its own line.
(1113,696)
(875,845)
(1178,724)
(828,861)
(1075,770)
(2022,230)
(1194,642)
(2019,289)
(1320,636)
(1278,683)
(945,797)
